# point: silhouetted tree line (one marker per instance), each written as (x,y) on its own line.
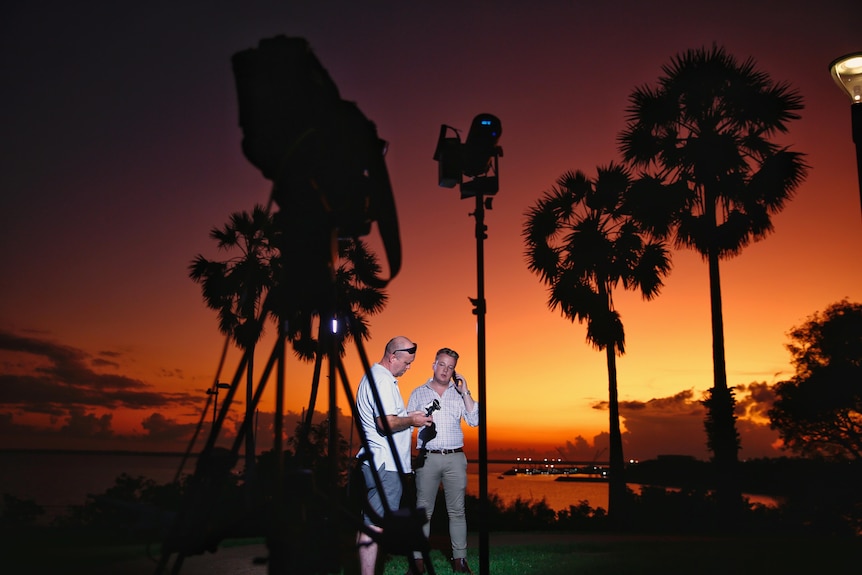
(677,496)
(818,411)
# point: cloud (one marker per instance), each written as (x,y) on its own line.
(75,429)
(665,425)
(87,425)
(53,379)
(99,362)
(581,450)
(43,381)
(754,400)
(58,396)
(675,425)
(53,396)
(107,359)
(161,428)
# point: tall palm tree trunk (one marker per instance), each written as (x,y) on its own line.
(617,482)
(721,432)
(250,477)
(719,367)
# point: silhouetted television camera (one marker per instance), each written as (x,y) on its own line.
(322,154)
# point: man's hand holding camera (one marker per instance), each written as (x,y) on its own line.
(420,419)
(426,434)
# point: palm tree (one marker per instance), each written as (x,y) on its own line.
(712,178)
(355,293)
(582,244)
(236,288)
(261,283)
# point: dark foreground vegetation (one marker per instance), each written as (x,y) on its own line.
(815,528)
(511,553)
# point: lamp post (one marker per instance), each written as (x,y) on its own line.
(847,73)
(214,392)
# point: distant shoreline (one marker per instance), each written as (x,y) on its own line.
(37,450)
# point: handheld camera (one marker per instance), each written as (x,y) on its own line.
(432,407)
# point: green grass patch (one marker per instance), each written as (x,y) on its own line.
(663,556)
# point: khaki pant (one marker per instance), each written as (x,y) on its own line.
(450,470)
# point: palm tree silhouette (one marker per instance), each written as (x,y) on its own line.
(254,286)
(582,244)
(237,288)
(712,178)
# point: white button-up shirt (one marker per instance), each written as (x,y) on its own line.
(447,420)
(393,404)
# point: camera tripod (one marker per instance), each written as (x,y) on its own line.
(303,512)
(330,182)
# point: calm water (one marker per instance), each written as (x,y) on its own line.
(558,495)
(58,480)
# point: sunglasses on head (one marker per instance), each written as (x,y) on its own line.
(408,350)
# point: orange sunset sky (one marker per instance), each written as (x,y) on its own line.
(121,150)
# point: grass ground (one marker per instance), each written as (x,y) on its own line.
(509,554)
(588,554)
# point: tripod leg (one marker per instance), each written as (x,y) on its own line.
(318,361)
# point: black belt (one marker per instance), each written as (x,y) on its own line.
(445,451)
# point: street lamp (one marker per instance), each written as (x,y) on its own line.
(214,392)
(847,73)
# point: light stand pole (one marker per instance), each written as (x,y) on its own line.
(847,73)
(479,310)
(477,158)
(214,393)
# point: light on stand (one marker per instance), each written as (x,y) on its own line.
(478,159)
(847,73)
(481,145)
(214,393)
(448,158)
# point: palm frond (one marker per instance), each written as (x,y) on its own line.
(707,123)
(581,241)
